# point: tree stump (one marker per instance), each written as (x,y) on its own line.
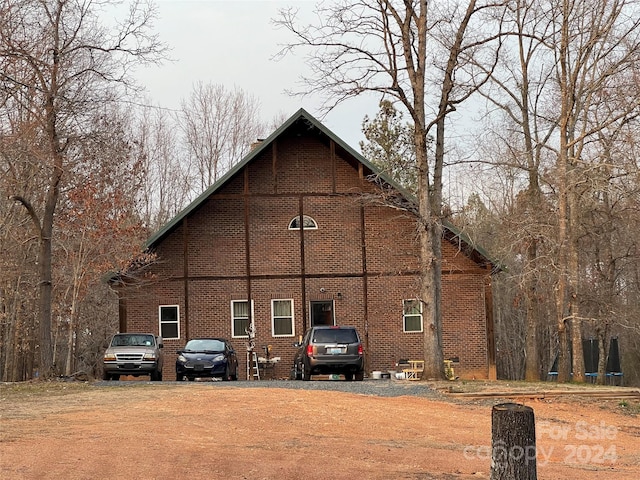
(513,442)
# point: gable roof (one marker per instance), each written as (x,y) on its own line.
(451,233)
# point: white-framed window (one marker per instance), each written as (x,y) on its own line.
(411,315)
(240,317)
(282,324)
(308,223)
(169,316)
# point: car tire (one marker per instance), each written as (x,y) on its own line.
(227,374)
(106,376)
(360,376)
(348,376)
(179,378)
(305,374)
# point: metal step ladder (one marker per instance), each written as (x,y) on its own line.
(253,370)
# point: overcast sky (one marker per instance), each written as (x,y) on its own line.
(232,42)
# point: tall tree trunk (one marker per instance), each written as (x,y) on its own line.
(45,257)
(532,356)
(566,105)
(561,287)
(434,365)
(577,356)
(433,196)
(532,370)
(602,334)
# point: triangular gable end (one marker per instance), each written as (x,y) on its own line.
(301,114)
(451,233)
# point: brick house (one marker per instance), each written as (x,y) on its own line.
(353,262)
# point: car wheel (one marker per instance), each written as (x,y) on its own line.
(179,378)
(348,376)
(360,376)
(227,374)
(305,374)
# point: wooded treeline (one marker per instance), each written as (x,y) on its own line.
(549,185)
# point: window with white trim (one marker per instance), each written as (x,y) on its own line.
(169,316)
(282,324)
(308,223)
(240,317)
(411,316)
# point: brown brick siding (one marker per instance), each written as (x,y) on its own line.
(367,285)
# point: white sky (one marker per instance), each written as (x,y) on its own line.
(232,42)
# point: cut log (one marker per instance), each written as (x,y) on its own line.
(513,442)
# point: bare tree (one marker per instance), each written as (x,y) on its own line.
(18,282)
(219,127)
(594,44)
(517,88)
(387,47)
(58,63)
(166,186)
(98,227)
(562,81)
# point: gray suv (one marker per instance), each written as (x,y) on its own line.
(133,354)
(329,350)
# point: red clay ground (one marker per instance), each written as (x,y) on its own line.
(219,431)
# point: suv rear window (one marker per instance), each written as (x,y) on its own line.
(338,335)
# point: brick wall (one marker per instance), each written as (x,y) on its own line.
(362,257)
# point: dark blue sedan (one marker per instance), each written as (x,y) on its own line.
(207,358)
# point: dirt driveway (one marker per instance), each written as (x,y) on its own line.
(224,431)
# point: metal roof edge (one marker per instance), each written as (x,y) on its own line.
(466,239)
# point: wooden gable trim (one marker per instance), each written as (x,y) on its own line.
(332,152)
(185,267)
(274,165)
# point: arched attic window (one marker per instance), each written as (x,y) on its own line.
(308,223)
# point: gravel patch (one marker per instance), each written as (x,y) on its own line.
(380,388)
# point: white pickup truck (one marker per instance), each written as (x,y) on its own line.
(133,354)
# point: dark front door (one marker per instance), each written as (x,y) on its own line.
(322,312)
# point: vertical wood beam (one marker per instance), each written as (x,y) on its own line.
(274,165)
(247,242)
(491,342)
(303,273)
(185,273)
(332,149)
(365,278)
